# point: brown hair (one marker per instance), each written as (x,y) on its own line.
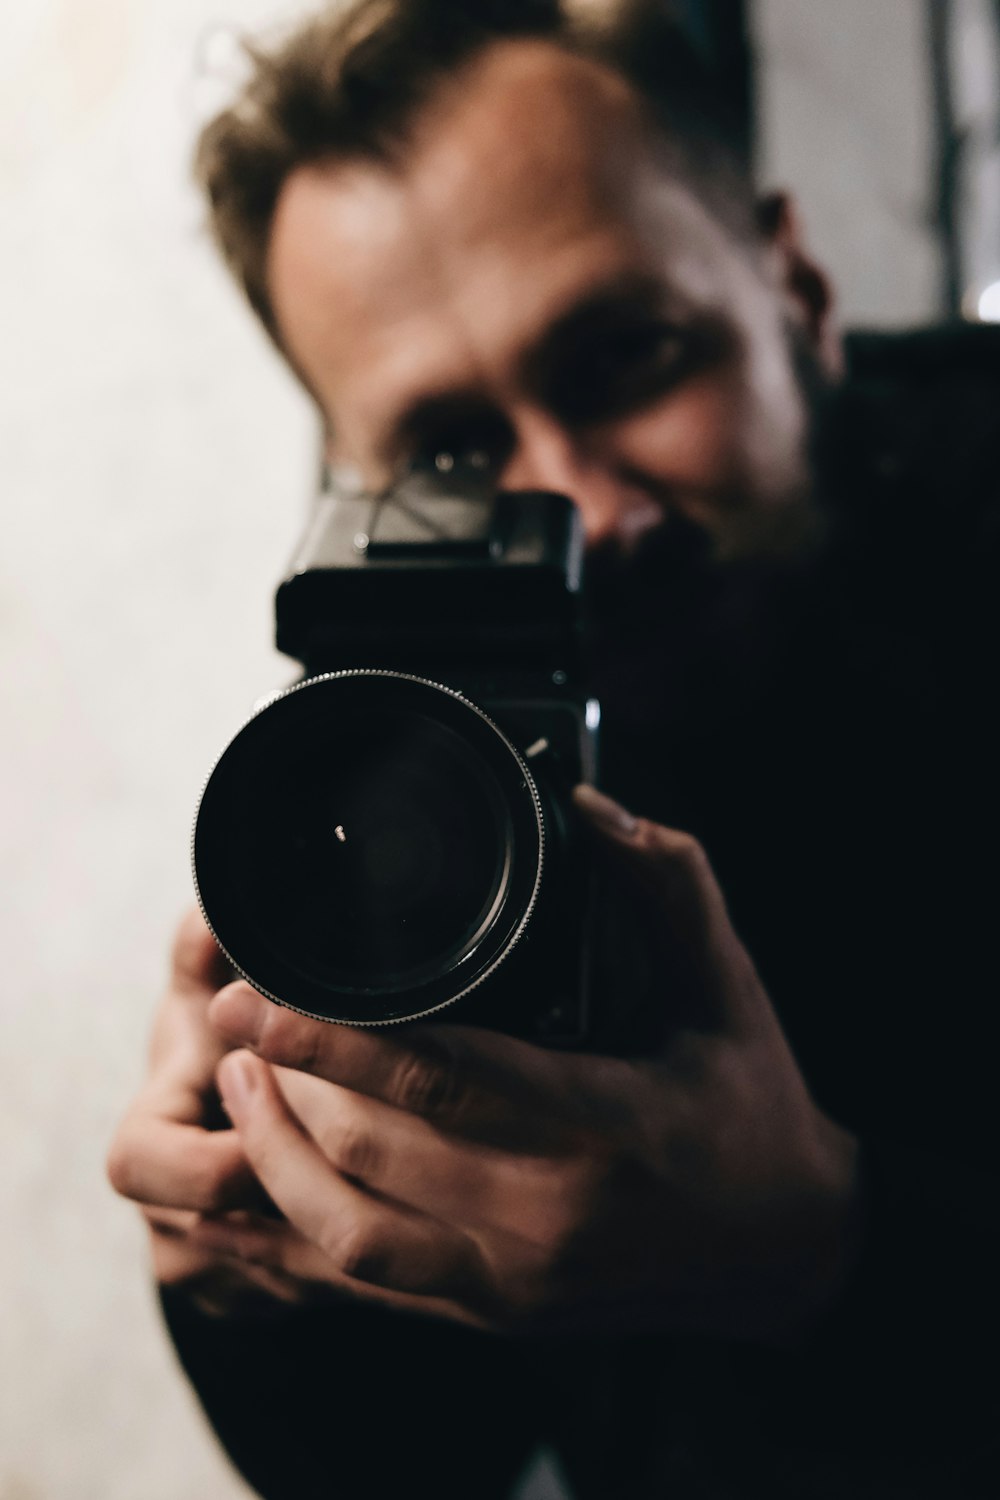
(351,81)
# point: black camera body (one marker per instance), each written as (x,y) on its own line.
(391,838)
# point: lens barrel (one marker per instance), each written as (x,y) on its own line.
(369,847)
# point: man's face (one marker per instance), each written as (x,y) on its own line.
(534,290)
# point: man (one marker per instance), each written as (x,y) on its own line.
(760,1260)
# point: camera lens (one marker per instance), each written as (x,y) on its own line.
(369,847)
(392,847)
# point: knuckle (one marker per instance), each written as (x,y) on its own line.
(356,1151)
(680,866)
(426,1083)
(691,853)
(355,1251)
(681,850)
(289,1038)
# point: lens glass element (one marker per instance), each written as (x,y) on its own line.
(386,851)
(367,846)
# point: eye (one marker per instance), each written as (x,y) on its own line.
(623,370)
(477,447)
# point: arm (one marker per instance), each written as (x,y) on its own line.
(701,1191)
(311,1396)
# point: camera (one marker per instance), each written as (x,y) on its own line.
(391,837)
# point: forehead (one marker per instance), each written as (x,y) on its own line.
(529,179)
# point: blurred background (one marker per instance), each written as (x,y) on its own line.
(155,460)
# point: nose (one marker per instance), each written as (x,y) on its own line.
(614,507)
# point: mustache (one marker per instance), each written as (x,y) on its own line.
(675,629)
(646,583)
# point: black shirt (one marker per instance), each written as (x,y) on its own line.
(831,737)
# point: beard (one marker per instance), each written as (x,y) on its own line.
(683,627)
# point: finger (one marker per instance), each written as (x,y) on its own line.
(401,1157)
(217,1281)
(182,1044)
(673,863)
(219,1285)
(261,1242)
(198,964)
(284,1251)
(162,1163)
(180,1223)
(673,870)
(173,1223)
(365,1239)
(477,1083)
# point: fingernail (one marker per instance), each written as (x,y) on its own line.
(238,1012)
(605,814)
(238,1081)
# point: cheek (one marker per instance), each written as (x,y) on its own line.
(695,443)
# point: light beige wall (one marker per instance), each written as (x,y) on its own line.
(154,459)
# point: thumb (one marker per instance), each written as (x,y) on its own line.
(675,879)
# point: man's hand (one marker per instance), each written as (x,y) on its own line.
(170,1153)
(470,1174)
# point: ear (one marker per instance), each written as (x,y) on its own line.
(806,286)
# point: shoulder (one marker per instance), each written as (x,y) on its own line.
(912,461)
(924,409)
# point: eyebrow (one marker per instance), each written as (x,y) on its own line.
(599,309)
(630,294)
